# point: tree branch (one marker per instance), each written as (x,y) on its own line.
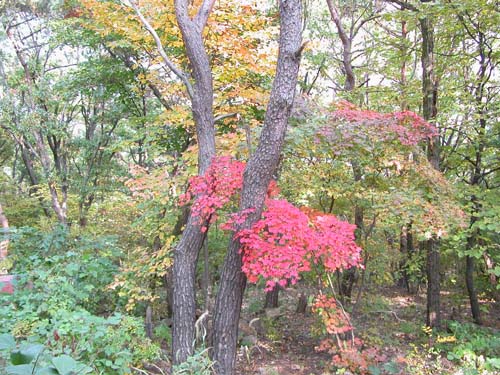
(177,71)
(203,13)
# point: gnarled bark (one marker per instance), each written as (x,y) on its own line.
(200,91)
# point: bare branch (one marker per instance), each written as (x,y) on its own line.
(177,71)
(404,5)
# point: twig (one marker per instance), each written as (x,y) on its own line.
(177,71)
(386,312)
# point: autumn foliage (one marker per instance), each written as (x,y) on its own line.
(286,241)
(213,190)
(407,127)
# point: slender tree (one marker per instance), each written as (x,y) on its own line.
(258,174)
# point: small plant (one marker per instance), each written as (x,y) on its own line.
(197,364)
(34,359)
(348,352)
(475,348)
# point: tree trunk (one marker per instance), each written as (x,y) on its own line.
(272,297)
(403,281)
(469,280)
(258,174)
(302,304)
(4,239)
(433,316)
(471,243)
(429,110)
(187,251)
(350,275)
(476,176)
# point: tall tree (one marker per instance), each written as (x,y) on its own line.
(187,251)
(259,172)
(36,123)
(429,111)
(201,95)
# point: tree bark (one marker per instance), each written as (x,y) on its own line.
(201,94)
(469,279)
(350,78)
(301,304)
(433,311)
(188,249)
(259,171)
(272,297)
(429,110)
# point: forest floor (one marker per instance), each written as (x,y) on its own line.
(282,342)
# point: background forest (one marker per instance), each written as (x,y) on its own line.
(178,196)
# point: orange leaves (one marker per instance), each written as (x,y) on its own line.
(236,40)
(334,320)
(351,353)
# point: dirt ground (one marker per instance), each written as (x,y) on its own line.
(282,342)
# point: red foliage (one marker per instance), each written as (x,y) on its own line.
(222,180)
(276,247)
(286,241)
(347,353)
(406,127)
(334,320)
(6,284)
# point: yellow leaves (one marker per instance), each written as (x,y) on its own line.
(446,339)
(236,39)
(136,281)
(232,143)
(427,330)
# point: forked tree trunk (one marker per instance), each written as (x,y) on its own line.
(258,174)
(187,251)
(348,276)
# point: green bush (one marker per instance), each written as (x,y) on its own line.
(34,359)
(197,364)
(476,348)
(62,301)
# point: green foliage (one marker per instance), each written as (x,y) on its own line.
(57,270)
(35,359)
(197,364)
(476,348)
(62,286)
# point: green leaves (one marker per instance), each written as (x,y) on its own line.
(34,359)
(65,365)
(7,342)
(26,355)
(19,370)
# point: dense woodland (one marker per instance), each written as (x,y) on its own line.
(249,187)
